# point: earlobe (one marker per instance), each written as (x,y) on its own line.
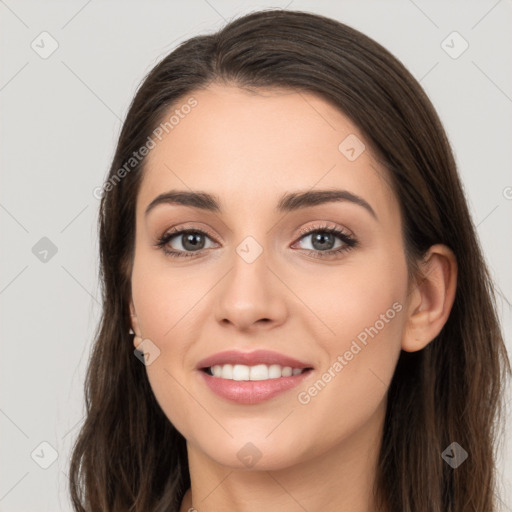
(135,325)
(431,299)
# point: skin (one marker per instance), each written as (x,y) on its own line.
(248,149)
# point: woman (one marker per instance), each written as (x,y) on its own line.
(285,242)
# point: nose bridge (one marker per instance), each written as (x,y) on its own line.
(250,290)
(249,277)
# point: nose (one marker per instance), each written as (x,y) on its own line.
(251,296)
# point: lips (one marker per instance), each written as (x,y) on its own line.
(252,392)
(251,359)
(242,391)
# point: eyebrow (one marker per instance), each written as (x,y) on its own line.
(288,202)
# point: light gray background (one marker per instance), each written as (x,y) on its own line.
(60,120)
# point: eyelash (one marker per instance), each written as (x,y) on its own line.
(348,241)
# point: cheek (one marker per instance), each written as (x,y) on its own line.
(364,308)
(359,295)
(164,297)
(166,302)
(367,316)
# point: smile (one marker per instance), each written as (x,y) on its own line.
(241,372)
(251,377)
(252,391)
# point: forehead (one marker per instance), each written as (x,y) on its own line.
(248,147)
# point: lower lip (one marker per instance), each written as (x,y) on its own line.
(254,391)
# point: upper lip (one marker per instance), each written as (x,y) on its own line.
(250,359)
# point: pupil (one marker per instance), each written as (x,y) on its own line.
(321,238)
(191,238)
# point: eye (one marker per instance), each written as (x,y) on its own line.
(186,242)
(324,243)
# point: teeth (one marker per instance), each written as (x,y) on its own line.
(258,372)
(240,372)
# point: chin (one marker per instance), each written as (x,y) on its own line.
(256,453)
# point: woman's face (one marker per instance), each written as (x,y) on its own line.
(251,278)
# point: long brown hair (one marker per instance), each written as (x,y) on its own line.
(128,456)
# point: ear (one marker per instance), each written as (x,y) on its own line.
(431,298)
(135,325)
